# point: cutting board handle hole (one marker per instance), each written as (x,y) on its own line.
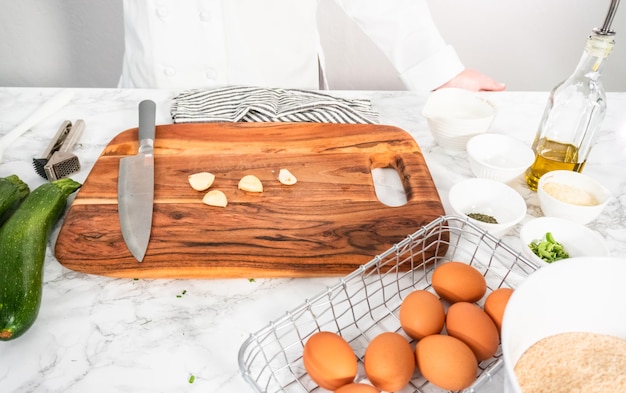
(389,186)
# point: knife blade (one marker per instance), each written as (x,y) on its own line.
(135,186)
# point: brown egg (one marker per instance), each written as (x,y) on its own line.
(389,361)
(470,324)
(329,360)
(496,303)
(458,282)
(357,388)
(446,361)
(421,314)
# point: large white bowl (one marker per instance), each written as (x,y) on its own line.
(455,115)
(577,239)
(488,197)
(551,206)
(585,294)
(498,157)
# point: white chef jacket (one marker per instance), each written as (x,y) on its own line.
(271,43)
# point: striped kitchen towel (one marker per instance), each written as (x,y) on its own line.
(257,104)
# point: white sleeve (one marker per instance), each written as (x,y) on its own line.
(406,33)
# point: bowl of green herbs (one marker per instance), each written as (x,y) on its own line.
(492,205)
(546,240)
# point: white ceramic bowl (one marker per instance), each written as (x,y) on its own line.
(551,206)
(455,115)
(586,294)
(488,197)
(498,157)
(577,239)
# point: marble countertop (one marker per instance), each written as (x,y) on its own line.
(119,335)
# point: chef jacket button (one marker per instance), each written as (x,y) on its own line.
(211,74)
(205,16)
(162,12)
(169,71)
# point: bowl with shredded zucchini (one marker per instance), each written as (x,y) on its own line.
(546,240)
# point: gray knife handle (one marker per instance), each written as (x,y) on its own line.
(147,114)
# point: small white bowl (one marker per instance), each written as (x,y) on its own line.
(577,239)
(498,157)
(455,115)
(586,294)
(571,181)
(489,197)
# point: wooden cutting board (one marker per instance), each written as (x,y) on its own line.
(328,223)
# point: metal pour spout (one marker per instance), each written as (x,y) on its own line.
(606,27)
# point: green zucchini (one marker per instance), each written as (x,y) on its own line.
(12,191)
(23,240)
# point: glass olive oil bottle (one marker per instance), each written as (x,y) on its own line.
(575,110)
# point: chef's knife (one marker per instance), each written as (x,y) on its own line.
(135,186)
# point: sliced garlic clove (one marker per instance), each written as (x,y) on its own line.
(286,177)
(250,183)
(215,198)
(201,181)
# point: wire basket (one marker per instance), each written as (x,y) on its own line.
(366,303)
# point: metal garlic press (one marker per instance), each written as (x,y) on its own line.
(57,161)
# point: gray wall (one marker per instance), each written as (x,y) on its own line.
(529,44)
(76,43)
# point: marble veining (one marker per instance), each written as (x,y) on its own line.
(100,334)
